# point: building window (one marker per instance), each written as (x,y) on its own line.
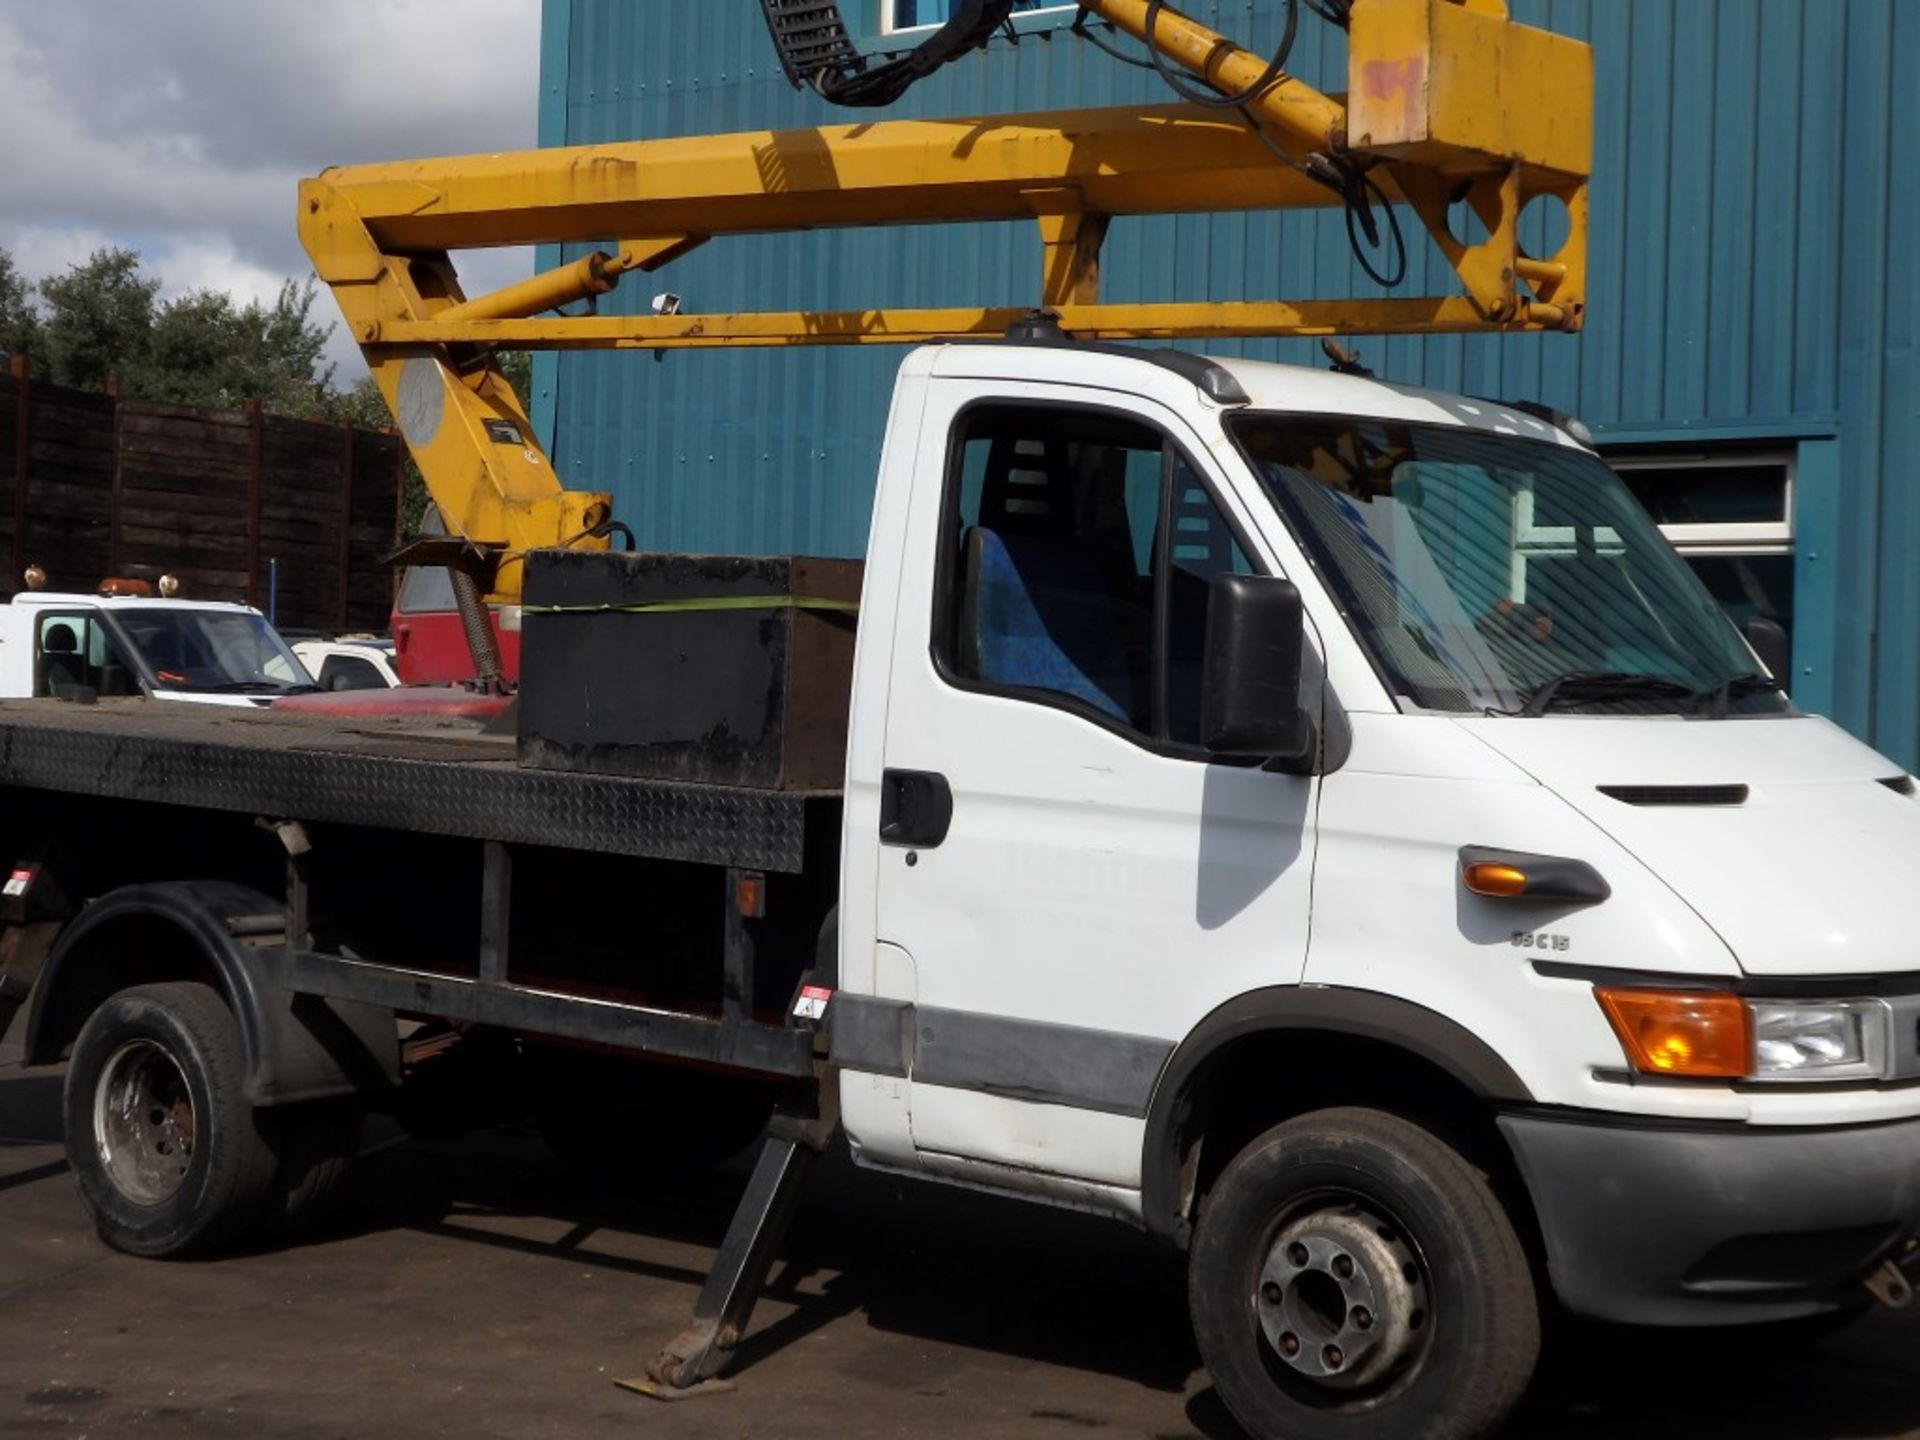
(919,14)
(1730,515)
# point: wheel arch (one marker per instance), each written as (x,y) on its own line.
(297,1047)
(1289,1033)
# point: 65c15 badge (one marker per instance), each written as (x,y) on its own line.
(1539,940)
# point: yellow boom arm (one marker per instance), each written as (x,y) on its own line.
(1448,100)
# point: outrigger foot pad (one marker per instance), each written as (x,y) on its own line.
(655,1390)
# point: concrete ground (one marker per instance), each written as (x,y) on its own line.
(477,1290)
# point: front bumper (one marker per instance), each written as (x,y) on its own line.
(1710,1226)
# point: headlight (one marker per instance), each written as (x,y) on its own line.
(1821,1040)
(1711,1034)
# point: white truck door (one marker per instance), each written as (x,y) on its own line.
(1097,885)
(16,651)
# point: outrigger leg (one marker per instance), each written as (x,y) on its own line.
(692,1361)
(804,1124)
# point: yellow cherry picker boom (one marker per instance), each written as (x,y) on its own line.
(1448,101)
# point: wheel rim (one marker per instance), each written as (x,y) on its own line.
(143,1122)
(1343,1299)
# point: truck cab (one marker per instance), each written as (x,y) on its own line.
(1231,740)
(202,652)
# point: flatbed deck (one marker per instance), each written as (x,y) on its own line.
(440,778)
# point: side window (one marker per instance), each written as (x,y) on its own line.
(75,650)
(427,589)
(1080,549)
(349,672)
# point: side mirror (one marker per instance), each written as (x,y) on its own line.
(1769,641)
(1250,682)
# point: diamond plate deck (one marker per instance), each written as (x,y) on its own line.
(440,780)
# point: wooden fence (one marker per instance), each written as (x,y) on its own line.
(105,486)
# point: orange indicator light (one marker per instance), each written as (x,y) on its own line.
(1680,1032)
(1500,881)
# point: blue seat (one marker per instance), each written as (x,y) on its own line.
(1040,612)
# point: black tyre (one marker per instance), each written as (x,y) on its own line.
(315,1144)
(169,1156)
(628,1125)
(1352,1276)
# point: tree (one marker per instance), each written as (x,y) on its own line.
(203,350)
(98,319)
(104,318)
(19,325)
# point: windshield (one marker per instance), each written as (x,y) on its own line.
(1491,573)
(212,650)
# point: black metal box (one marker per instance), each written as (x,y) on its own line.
(718,669)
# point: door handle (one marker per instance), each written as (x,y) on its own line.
(916,808)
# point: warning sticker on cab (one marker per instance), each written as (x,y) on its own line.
(811,1004)
(17,884)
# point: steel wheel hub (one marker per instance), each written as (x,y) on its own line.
(143,1122)
(1342,1298)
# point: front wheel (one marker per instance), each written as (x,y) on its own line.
(1352,1275)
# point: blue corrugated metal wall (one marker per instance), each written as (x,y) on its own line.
(1751,203)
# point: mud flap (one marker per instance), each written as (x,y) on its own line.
(33,909)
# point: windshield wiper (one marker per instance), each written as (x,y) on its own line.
(1752,683)
(1603,685)
(252,687)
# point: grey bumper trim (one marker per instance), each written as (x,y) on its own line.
(1668,1226)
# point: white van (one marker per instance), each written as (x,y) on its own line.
(75,646)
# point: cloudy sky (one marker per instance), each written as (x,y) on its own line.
(179,128)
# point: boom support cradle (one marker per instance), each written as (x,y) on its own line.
(1449,102)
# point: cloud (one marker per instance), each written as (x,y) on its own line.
(181,129)
(42,250)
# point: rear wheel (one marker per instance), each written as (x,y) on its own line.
(1352,1275)
(169,1156)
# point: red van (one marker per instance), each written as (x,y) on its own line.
(429,647)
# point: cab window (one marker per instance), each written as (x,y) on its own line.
(74,651)
(1080,546)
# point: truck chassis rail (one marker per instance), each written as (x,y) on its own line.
(735,1041)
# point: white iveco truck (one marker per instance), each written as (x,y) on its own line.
(1318,821)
